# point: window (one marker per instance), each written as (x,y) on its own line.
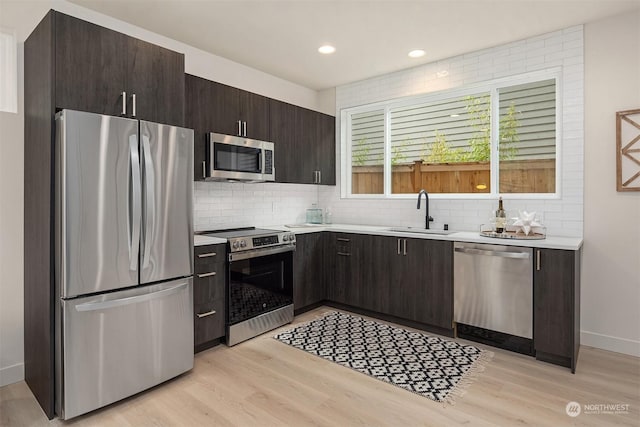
(489,139)
(8,71)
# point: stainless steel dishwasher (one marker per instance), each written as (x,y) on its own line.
(493,289)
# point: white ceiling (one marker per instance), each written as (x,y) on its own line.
(371,37)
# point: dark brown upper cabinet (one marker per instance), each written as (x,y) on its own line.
(214,107)
(238,112)
(102,71)
(304,144)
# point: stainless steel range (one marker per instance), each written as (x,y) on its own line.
(259,281)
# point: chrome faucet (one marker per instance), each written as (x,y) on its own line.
(427,217)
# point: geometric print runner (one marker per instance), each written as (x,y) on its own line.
(430,366)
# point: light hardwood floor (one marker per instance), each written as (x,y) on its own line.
(263,382)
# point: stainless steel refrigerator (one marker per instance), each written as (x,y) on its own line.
(123,257)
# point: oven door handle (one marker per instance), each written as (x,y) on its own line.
(261,252)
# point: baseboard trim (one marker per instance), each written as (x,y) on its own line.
(611,343)
(11,374)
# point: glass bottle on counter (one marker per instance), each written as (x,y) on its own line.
(501,217)
(328,217)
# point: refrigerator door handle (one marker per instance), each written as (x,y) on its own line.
(102,305)
(135,199)
(149,201)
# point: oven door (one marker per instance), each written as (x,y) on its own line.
(259,285)
(260,294)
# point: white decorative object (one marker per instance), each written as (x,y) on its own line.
(525,222)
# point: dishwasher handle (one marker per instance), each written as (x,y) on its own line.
(486,252)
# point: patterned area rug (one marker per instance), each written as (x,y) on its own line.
(427,365)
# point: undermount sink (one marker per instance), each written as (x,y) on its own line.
(420,230)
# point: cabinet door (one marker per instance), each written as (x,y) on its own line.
(430,265)
(306,130)
(155,76)
(553,283)
(402,286)
(377,279)
(254,112)
(326,148)
(199,99)
(282,119)
(225,109)
(421,287)
(308,269)
(90,66)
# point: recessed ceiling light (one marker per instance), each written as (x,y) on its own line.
(416,53)
(326,49)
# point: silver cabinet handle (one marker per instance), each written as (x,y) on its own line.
(136,210)
(213,273)
(473,251)
(343,254)
(134,105)
(208,313)
(204,169)
(207,255)
(244,128)
(538,260)
(341,239)
(399,246)
(405,247)
(239,127)
(150,202)
(124,103)
(101,305)
(319,177)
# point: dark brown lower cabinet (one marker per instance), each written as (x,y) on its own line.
(421,286)
(344,264)
(209,295)
(308,271)
(410,279)
(556,313)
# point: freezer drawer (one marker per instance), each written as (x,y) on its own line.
(493,287)
(118,344)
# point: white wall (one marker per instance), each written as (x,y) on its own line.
(23,16)
(557,50)
(611,258)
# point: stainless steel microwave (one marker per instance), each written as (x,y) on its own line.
(235,158)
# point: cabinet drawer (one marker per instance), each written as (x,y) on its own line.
(210,258)
(208,321)
(209,288)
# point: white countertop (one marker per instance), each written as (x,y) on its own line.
(200,240)
(550,242)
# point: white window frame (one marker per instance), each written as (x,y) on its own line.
(490,87)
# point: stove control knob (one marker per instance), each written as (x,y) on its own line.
(236,245)
(292,237)
(285,237)
(243,243)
